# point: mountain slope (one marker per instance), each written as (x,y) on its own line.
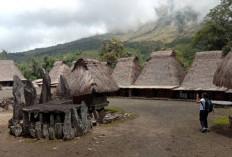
(171,27)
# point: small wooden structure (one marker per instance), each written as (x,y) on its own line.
(161,74)
(125,74)
(89,81)
(7,71)
(200,77)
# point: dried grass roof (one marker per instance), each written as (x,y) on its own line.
(8,70)
(59,68)
(126,71)
(223,74)
(88,76)
(163,70)
(108,67)
(200,75)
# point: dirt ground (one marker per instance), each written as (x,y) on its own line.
(162,129)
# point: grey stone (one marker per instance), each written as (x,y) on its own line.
(16,130)
(46,87)
(1,109)
(45,132)
(84,117)
(59,130)
(58,118)
(51,132)
(38,130)
(52,120)
(10,107)
(33,133)
(64,89)
(18,92)
(30,94)
(67,128)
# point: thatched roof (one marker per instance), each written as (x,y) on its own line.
(126,71)
(8,70)
(88,76)
(163,71)
(59,68)
(108,67)
(200,75)
(223,74)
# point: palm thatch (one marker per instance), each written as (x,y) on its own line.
(88,76)
(8,70)
(161,72)
(200,75)
(223,74)
(126,71)
(59,68)
(108,67)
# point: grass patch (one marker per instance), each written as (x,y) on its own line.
(221,120)
(114,109)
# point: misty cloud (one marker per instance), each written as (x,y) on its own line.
(27,24)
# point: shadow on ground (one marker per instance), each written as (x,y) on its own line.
(222,129)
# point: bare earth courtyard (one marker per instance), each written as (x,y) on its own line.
(163,129)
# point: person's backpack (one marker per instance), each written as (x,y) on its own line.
(208,105)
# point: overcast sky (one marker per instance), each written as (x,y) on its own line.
(29,24)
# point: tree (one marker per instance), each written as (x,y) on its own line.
(3,54)
(216,34)
(112,50)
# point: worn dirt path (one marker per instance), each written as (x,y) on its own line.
(163,129)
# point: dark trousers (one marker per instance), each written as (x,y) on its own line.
(203,119)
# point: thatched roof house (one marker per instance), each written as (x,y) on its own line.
(223,74)
(89,76)
(59,68)
(108,67)
(200,75)
(163,71)
(126,71)
(7,71)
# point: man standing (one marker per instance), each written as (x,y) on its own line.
(203,111)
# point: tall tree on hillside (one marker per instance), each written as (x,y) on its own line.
(3,54)
(112,50)
(216,34)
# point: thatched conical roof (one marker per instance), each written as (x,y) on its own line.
(162,71)
(126,71)
(88,76)
(8,70)
(223,74)
(200,75)
(59,68)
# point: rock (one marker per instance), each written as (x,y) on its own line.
(110,117)
(33,133)
(46,87)
(68,131)
(51,132)
(101,115)
(30,94)
(84,117)
(45,132)
(1,109)
(64,89)
(10,107)
(77,123)
(94,138)
(52,121)
(59,130)
(38,130)
(18,92)
(16,130)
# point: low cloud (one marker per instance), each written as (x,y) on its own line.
(28,24)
